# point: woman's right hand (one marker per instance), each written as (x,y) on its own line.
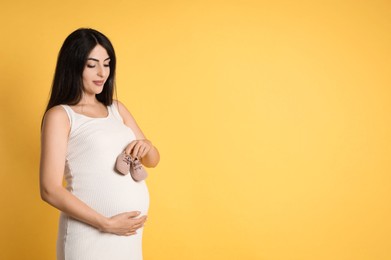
(124,224)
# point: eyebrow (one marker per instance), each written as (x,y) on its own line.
(97,59)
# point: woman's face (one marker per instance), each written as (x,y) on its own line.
(96,70)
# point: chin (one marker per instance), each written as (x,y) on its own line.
(98,91)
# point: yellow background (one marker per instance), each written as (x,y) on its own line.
(272,119)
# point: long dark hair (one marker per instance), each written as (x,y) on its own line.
(67,86)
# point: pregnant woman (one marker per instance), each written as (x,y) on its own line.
(83,132)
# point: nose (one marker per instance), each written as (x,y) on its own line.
(101,71)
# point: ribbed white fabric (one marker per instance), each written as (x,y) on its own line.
(93,146)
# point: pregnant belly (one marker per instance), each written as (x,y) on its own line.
(110,197)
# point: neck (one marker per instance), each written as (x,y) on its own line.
(88,100)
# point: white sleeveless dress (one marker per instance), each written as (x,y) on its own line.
(93,146)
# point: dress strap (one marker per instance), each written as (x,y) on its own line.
(69,112)
(114,109)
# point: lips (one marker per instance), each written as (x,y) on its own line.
(99,82)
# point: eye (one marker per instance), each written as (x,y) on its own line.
(106,65)
(90,66)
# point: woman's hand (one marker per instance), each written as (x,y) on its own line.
(139,148)
(124,224)
(142,148)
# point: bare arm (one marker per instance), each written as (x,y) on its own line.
(141,147)
(54,142)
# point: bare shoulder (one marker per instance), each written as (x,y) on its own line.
(123,111)
(56,117)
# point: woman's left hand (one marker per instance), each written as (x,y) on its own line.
(139,148)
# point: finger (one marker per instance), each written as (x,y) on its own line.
(129,148)
(138,227)
(138,223)
(147,146)
(149,143)
(142,220)
(145,151)
(136,149)
(135,227)
(141,151)
(133,214)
